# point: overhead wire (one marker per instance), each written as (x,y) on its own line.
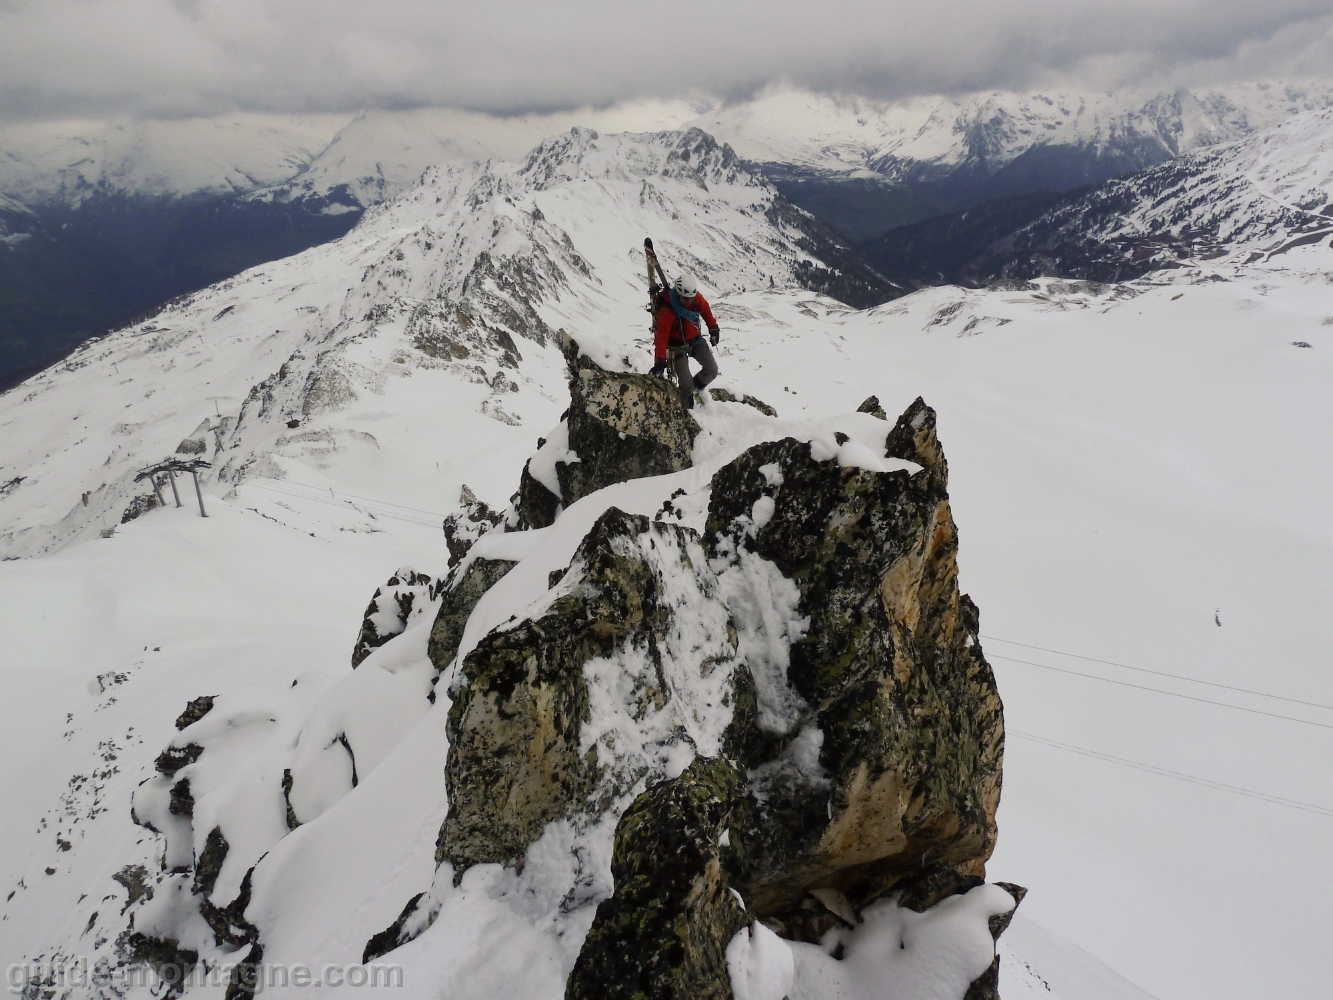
(1158,673)
(383,503)
(391,515)
(1171,694)
(1178,775)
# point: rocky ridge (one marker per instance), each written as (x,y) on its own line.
(869,765)
(714,734)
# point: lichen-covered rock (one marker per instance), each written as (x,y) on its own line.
(622,426)
(663,935)
(462,589)
(391,609)
(619,426)
(891,772)
(514,757)
(464,527)
(810,652)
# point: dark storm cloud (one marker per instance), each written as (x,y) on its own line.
(178,57)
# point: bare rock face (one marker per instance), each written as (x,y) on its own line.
(863,759)
(390,609)
(679,916)
(619,426)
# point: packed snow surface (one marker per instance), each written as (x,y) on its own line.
(1140,476)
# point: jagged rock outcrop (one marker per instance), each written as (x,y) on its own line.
(873,407)
(987,985)
(727,396)
(391,608)
(896,701)
(862,761)
(914,438)
(619,426)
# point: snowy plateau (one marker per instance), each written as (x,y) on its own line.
(1139,473)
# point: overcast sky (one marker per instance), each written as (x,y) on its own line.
(160,58)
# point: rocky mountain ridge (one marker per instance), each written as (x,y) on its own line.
(755,715)
(471,273)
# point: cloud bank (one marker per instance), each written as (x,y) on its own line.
(166,58)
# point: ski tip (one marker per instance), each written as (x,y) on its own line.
(647,243)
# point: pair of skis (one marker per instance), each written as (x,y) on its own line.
(657,285)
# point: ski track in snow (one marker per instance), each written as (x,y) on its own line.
(1128,466)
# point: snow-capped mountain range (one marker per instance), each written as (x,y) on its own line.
(1261,196)
(988,132)
(1102,475)
(377,154)
(1256,197)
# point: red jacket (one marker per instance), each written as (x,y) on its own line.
(674,331)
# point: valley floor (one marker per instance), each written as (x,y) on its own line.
(1142,482)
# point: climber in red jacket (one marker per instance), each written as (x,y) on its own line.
(681,313)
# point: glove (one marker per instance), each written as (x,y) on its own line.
(659,369)
(714,334)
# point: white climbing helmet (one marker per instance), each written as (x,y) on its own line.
(686,286)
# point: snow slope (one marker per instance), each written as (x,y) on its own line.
(382,153)
(1116,498)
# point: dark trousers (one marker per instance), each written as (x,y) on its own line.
(699,351)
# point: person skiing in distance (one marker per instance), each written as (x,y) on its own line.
(681,314)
